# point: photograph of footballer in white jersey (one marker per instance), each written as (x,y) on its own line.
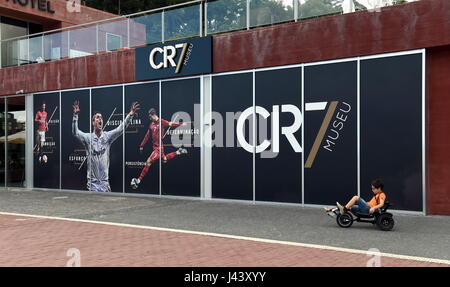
(97,145)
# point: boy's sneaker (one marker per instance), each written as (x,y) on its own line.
(342,209)
(328,209)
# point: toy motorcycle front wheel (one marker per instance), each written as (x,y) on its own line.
(344,220)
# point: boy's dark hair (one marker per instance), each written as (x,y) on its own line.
(377,183)
(152,112)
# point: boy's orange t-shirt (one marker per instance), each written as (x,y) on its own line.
(377,199)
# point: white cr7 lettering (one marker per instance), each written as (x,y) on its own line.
(169,53)
(288,132)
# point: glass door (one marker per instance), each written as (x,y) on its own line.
(15,141)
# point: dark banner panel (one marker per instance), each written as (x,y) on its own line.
(180,150)
(106,155)
(391,125)
(232,165)
(279,167)
(330,133)
(46,160)
(75,131)
(141,159)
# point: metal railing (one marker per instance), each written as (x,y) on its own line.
(191,19)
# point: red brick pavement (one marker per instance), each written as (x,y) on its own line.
(30,241)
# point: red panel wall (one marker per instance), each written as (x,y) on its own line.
(438,153)
(96,70)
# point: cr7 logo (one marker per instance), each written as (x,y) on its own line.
(169,54)
(336,126)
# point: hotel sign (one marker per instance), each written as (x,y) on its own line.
(41,5)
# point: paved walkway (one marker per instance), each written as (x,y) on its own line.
(39,241)
(145,231)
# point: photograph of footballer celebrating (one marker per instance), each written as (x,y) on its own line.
(98,144)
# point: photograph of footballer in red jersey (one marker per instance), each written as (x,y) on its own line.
(46,145)
(41,119)
(156,130)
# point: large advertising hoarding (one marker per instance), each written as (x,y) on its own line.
(278,168)
(323,132)
(391,128)
(106,148)
(330,121)
(46,148)
(180,137)
(232,166)
(139,146)
(74,150)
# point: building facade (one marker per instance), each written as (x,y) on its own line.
(306,112)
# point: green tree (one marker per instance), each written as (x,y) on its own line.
(226,15)
(222,15)
(269,12)
(315,8)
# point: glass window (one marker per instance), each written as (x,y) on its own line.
(317,8)
(146,29)
(9,54)
(226,15)
(113,42)
(23,51)
(15,139)
(182,23)
(36,53)
(79,47)
(55,45)
(11,28)
(113,35)
(269,12)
